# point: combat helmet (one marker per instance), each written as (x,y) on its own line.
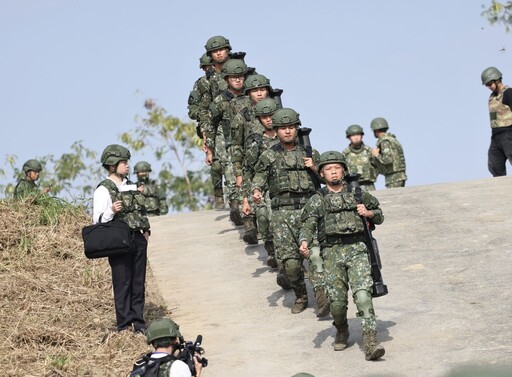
(114,153)
(162,328)
(234,67)
(332,157)
(266,106)
(285,117)
(490,74)
(256,81)
(354,129)
(216,43)
(204,61)
(142,166)
(32,165)
(379,124)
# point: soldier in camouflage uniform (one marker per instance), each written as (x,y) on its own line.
(389,154)
(283,170)
(359,158)
(218,126)
(155,201)
(116,198)
(500,105)
(255,145)
(27,185)
(335,217)
(243,124)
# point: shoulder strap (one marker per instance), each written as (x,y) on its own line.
(148,367)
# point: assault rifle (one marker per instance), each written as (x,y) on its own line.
(189,350)
(303,134)
(379,288)
(275,94)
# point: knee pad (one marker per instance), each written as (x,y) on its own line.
(338,312)
(364,304)
(293,269)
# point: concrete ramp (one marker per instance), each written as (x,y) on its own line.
(447,256)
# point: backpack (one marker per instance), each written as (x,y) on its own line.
(148,367)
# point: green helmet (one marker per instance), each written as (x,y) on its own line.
(266,106)
(490,74)
(285,117)
(162,328)
(204,61)
(379,124)
(354,129)
(114,153)
(142,166)
(256,81)
(32,165)
(234,67)
(215,43)
(332,157)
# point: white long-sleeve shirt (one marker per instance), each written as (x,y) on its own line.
(102,202)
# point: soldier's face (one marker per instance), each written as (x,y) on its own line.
(287,134)
(333,173)
(257,94)
(356,139)
(236,82)
(266,121)
(220,56)
(123,168)
(33,175)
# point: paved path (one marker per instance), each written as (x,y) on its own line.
(447,255)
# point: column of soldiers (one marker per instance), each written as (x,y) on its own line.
(272,184)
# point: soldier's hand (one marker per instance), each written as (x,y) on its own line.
(303,249)
(140,188)
(376,152)
(362,211)
(256,196)
(209,157)
(116,206)
(238,181)
(246,207)
(308,162)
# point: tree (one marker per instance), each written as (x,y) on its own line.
(499,13)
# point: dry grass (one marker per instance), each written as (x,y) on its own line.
(56,306)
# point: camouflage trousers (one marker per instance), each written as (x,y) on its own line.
(221,152)
(348,266)
(216,174)
(263,217)
(396,179)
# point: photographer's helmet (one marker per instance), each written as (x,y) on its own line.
(266,106)
(234,67)
(32,165)
(354,129)
(285,117)
(332,157)
(142,167)
(205,61)
(216,43)
(114,153)
(490,74)
(162,328)
(257,81)
(379,124)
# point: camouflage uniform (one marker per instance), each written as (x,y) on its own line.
(155,201)
(391,160)
(500,149)
(361,161)
(25,188)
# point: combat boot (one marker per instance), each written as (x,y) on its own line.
(234,213)
(372,349)
(251,234)
(342,334)
(282,280)
(301,302)
(219,198)
(322,302)
(271,260)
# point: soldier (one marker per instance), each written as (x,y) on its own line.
(284,170)
(359,158)
(335,217)
(500,105)
(255,145)
(27,185)
(116,198)
(389,154)
(155,201)
(245,123)
(217,127)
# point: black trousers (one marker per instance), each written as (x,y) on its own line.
(500,151)
(128,281)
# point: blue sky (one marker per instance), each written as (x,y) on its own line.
(80,70)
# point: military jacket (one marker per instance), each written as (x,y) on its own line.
(329,213)
(241,113)
(501,114)
(361,161)
(199,98)
(24,188)
(219,116)
(155,200)
(133,211)
(391,158)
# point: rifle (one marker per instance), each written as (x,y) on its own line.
(275,94)
(379,288)
(303,134)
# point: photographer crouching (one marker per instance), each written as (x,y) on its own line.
(172,357)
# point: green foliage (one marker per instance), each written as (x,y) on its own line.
(499,13)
